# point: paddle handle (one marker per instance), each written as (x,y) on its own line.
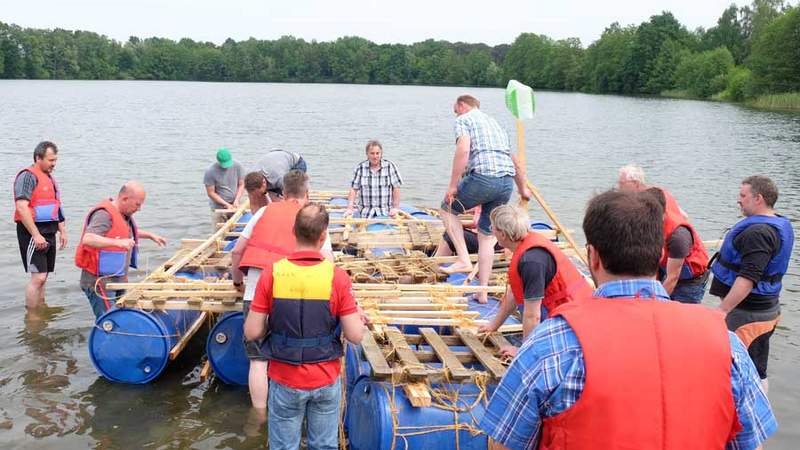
(557,222)
(521,155)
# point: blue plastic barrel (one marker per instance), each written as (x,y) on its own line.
(369,412)
(225,349)
(132,346)
(422,215)
(338,201)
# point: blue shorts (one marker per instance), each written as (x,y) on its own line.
(488,192)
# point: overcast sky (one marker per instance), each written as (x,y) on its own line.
(405,21)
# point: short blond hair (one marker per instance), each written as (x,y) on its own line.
(632,173)
(511,221)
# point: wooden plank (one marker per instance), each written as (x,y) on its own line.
(418,394)
(431,322)
(205,372)
(446,356)
(380,368)
(411,364)
(483,354)
(498,340)
(427,314)
(431,357)
(225,285)
(199,305)
(187,336)
(186,294)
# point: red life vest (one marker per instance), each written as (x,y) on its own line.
(567,284)
(273,235)
(696,262)
(658,376)
(108,261)
(45,202)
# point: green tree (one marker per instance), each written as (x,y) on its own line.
(528,59)
(704,74)
(603,62)
(775,58)
(728,33)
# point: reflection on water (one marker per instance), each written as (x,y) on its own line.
(165,134)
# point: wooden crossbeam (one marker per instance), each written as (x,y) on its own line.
(411,364)
(457,370)
(380,367)
(187,336)
(483,354)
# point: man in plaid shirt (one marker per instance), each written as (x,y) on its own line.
(628,368)
(376,183)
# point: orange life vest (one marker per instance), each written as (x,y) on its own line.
(273,235)
(696,262)
(45,203)
(567,284)
(108,261)
(658,376)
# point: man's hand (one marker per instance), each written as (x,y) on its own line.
(450,196)
(127,244)
(235,204)
(525,194)
(158,240)
(394,212)
(348,212)
(62,240)
(487,328)
(508,350)
(239,287)
(40,242)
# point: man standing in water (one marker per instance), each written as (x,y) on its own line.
(110,244)
(484,172)
(276,164)
(752,261)
(38,216)
(683,268)
(626,367)
(376,182)
(224,182)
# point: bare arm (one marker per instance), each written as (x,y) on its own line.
(62,235)
(460,160)
(236,258)
(352,326)
(740,289)
(521,178)
(507,306)
(351,199)
(27,220)
(239,192)
(531,316)
(673,273)
(212,194)
(97,241)
(255,327)
(142,234)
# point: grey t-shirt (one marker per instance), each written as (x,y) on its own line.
(225,182)
(275,164)
(99,224)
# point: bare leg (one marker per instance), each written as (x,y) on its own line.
(34,291)
(485,261)
(456,232)
(443,249)
(257,380)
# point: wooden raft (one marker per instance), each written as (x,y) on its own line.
(404,359)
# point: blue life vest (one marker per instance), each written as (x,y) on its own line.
(301,328)
(727,266)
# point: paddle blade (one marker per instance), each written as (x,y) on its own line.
(519,100)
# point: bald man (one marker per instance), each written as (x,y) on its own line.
(109,245)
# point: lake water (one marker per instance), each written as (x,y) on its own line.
(165,135)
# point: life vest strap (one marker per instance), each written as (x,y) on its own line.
(305,342)
(736,267)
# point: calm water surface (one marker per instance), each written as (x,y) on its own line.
(165,135)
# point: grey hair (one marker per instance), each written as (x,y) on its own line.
(511,220)
(632,173)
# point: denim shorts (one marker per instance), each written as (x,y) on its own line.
(476,189)
(287,407)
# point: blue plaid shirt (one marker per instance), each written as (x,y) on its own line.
(489,147)
(548,376)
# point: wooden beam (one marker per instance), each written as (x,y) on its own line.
(457,370)
(483,354)
(380,368)
(187,336)
(409,361)
(418,394)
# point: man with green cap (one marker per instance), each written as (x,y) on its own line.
(224,182)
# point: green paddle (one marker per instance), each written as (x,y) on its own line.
(520,101)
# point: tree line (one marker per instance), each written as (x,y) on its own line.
(753,50)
